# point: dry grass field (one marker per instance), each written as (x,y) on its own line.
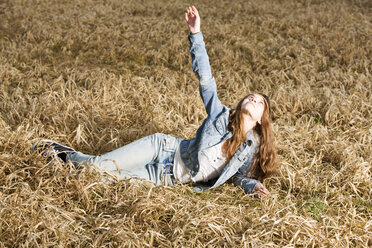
(98,74)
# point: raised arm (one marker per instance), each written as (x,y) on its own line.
(200,64)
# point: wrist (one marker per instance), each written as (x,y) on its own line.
(195,31)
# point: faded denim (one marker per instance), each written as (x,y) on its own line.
(149,158)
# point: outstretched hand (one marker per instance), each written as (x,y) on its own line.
(193,19)
(260,190)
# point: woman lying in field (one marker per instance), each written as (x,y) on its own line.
(232,144)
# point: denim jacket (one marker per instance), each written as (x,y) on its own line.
(214,128)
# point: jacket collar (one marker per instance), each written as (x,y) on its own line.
(251,138)
(249,135)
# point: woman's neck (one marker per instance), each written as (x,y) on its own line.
(249,124)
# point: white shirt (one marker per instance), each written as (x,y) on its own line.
(212,161)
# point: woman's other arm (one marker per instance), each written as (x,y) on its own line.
(250,185)
(200,64)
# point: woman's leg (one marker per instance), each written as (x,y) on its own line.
(137,159)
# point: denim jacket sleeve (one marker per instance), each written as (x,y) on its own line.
(246,183)
(207,83)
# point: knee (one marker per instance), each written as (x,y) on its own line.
(157,138)
(158,135)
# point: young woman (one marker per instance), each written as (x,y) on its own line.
(230,144)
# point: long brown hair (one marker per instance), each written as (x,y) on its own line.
(264,162)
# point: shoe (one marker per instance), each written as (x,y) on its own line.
(51,148)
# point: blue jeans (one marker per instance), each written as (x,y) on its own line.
(149,158)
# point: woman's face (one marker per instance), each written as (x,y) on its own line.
(254,105)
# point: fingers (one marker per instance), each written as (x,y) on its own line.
(189,15)
(264,191)
(192,12)
(195,10)
(267,191)
(257,195)
(260,194)
(260,191)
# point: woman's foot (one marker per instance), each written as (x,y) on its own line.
(51,148)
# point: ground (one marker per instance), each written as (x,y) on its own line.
(96,75)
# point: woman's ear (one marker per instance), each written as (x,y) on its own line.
(259,122)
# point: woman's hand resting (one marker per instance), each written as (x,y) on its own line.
(260,190)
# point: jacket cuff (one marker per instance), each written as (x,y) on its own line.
(249,184)
(196,38)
